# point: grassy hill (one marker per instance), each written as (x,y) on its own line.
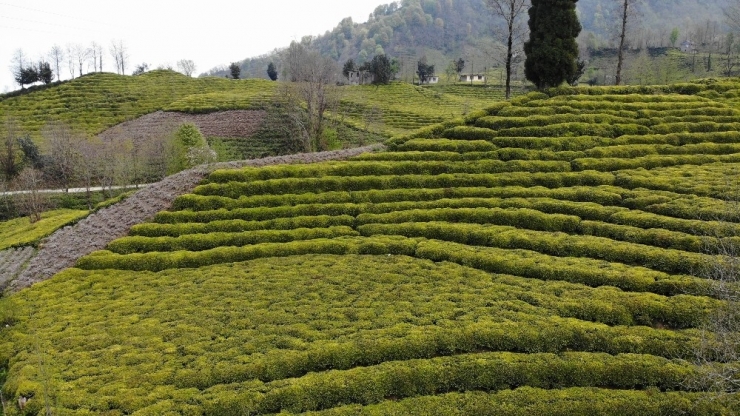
(97,102)
(542,256)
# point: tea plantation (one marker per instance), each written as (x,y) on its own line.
(542,256)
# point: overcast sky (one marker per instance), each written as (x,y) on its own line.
(158,32)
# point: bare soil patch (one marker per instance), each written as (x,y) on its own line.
(231,124)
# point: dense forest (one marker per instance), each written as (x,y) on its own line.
(449,29)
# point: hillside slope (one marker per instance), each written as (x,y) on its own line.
(538,257)
(444,30)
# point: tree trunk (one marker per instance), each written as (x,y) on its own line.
(510,53)
(622,36)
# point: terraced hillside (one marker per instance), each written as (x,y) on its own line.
(539,257)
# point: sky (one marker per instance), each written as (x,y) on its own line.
(162,32)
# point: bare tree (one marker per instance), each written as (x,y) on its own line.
(18,64)
(512,12)
(81,54)
(314,80)
(626,7)
(71,60)
(56,56)
(30,201)
(63,157)
(186,66)
(88,167)
(119,51)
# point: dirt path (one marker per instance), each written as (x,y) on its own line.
(63,248)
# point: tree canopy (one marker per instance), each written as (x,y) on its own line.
(552,50)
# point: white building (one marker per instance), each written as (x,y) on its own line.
(473,78)
(434,79)
(360,78)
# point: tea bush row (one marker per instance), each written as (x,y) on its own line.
(475,372)
(201,242)
(237,226)
(527,401)
(364,183)
(555,244)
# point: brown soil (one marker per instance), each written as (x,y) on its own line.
(63,248)
(227,124)
(12,262)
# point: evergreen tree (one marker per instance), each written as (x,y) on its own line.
(349,66)
(552,51)
(272,71)
(45,73)
(235,70)
(381,69)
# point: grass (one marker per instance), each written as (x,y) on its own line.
(21,232)
(539,256)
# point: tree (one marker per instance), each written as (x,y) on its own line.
(459,66)
(96,52)
(45,73)
(424,70)
(451,71)
(140,69)
(511,11)
(624,15)
(18,65)
(119,51)
(272,72)
(56,55)
(27,76)
(31,201)
(314,82)
(63,158)
(674,37)
(71,60)
(10,157)
(186,66)
(580,69)
(552,50)
(349,67)
(235,70)
(81,54)
(381,68)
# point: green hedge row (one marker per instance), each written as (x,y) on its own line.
(445,145)
(371,168)
(555,244)
(635,106)
(648,93)
(556,144)
(474,372)
(585,271)
(599,195)
(158,261)
(575,129)
(533,334)
(521,218)
(527,401)
(258,214)
(638,150)
(650,162)
(201,242)
(691,127)
(651,236)
(236,226)
(680,139)
(499,123)
(364,183)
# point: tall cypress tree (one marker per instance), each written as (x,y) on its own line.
(552,50)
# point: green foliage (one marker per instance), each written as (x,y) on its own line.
(552,51)
(20,232)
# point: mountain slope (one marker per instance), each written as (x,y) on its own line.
(448,29)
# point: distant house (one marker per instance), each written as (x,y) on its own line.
(360,78)
(434,79)
(688,46)
(473,78)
